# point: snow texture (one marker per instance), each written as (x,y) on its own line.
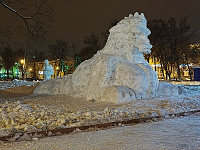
(117,73)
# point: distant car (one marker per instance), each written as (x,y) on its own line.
(29,79)
(7,79)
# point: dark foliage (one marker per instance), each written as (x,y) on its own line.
(59,49)
(92,46)
(171,42)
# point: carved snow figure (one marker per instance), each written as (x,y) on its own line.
(47,70)
(117,73)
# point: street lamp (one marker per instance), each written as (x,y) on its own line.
(22,61)
(23,68)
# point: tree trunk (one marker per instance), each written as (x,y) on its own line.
(179,72)
(13,73)
(7,73)
(169,72)
(34,72)
(162,70)
(166,74)
(190,73)
(154,58)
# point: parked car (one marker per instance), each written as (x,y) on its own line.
(29,79)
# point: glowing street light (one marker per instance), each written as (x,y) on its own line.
(23,68)
(22,61)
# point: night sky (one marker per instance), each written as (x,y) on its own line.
(79,18)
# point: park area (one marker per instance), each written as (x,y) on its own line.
(106,75)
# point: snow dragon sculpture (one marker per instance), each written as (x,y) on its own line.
(117,73)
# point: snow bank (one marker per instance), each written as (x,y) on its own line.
(15,83)
(167,89)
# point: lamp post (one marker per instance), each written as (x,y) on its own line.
(23,68)
(34,68)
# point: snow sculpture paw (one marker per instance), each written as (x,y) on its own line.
(120,93)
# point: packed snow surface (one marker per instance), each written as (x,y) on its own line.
(169,134)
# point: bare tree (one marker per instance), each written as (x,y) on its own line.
(92,46)
(171,41)
(59,49)
(106,33)
(8,59)
(36,16)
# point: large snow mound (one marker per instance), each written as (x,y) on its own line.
(117,73)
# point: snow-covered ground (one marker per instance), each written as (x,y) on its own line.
(28,116)
(15,83)
(186,82)
(168,134)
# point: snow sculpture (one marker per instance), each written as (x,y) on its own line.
(47,70)
(117,73)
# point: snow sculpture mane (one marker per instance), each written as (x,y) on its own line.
(117,73)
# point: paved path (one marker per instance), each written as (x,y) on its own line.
(170,134)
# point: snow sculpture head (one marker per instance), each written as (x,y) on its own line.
(46,62)
(129,38)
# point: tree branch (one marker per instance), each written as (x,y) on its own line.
(14,11)
(38,22)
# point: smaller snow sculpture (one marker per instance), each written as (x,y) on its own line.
(47,70)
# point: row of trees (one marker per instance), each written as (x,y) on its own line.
(59,49)
(172,42)
(10,58)
(93,42)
